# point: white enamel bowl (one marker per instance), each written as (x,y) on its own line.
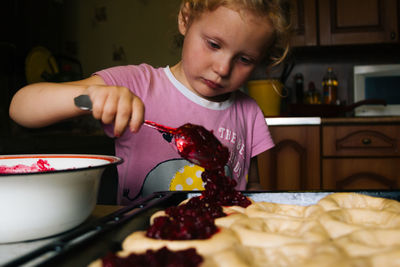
(42,204)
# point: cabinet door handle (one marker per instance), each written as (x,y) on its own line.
(366,141)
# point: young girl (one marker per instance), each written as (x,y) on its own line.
(224,40)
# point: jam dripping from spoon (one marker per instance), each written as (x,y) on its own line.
(196,144)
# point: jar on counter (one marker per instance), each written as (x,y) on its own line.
(329,87)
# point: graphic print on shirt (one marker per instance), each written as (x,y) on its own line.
(236,158)
(187,178)
(175,175)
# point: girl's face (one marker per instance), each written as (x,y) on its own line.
(220,51)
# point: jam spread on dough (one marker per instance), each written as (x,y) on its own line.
(192,220)
(159,258)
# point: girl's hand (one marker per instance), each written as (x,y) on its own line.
(116,104)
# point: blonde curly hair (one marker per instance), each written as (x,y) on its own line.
(272,10)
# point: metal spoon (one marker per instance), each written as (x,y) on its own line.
(193,142)
(83,102)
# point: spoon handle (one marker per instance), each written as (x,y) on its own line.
(160,127)
(83,102)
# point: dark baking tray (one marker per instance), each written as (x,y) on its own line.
(84,244)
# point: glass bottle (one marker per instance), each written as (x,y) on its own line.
(329,87)
(299,87)
(312,96)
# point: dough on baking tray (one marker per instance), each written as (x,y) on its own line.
(366,242)
(287,211)
(229,220)
(344,221)
(137,242)
(342,229)
(232,257)
(233,209)
(358,201)
(295,254)
(273,232)
(389,258)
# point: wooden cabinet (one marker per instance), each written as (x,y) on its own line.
(338,154)
(361,140)
(294,162)
(357,173)
(357,21)
(303,17)
(361,157)
(342,22)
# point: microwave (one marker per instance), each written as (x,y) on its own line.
(377,82)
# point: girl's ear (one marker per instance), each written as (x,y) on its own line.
(183,19)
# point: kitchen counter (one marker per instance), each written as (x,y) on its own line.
(286,121)
(282,121)
(11,251)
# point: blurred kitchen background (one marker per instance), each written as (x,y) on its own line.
(81,37)
(62,40)
(85,36)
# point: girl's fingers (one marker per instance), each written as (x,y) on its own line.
(98,101)
(123,115)
(117,105)
(137,116)
(110,109)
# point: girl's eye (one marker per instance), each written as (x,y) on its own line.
(245,60)
(213,45)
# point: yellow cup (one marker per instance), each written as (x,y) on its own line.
(268,94)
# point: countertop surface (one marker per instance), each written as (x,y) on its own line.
(287,121)
(281,121)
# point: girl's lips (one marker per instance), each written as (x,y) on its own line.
(212,84)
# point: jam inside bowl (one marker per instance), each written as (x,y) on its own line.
(47,194)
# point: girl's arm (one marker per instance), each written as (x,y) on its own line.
(42,104)
(253,182)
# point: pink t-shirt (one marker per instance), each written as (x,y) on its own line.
(151,163)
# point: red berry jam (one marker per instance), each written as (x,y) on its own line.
(192,220)
(159,258)
(40,166)
(196,144)
(220,189)
(200,146)
(195,219)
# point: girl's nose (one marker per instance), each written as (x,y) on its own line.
(223,66)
